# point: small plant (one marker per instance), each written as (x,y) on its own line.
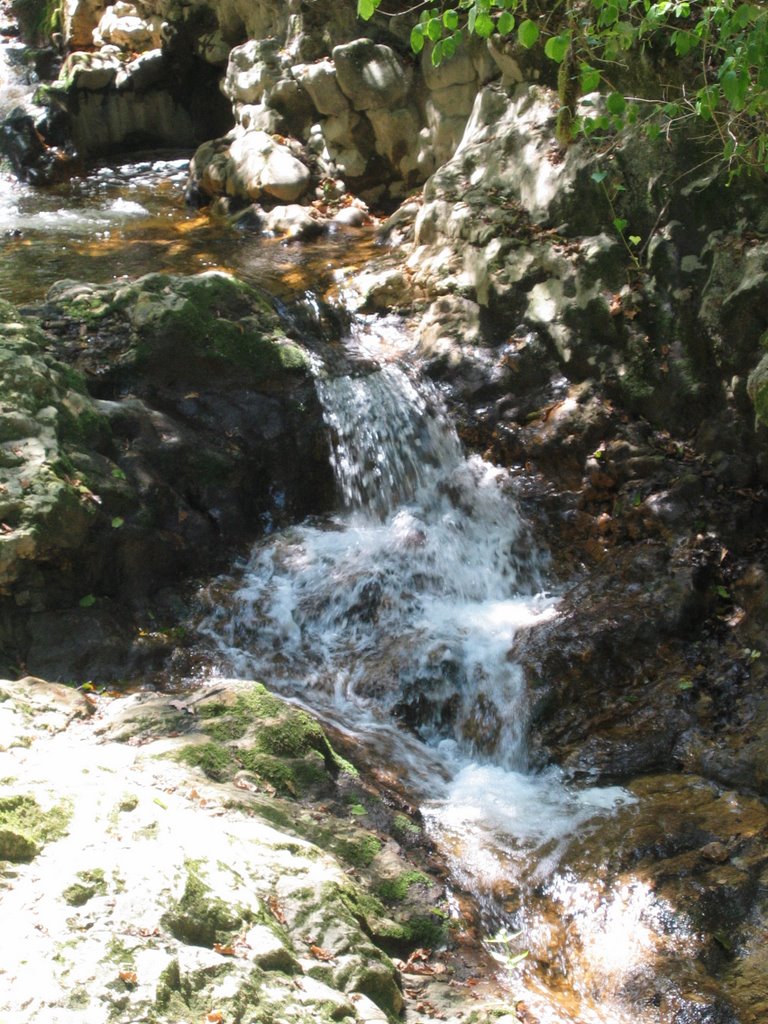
(504,955)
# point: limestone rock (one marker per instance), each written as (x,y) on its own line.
(295,222)
(371,75)
(320,82)
(78,20)
(122,25)
(259,164)
(254,67)
(397,138)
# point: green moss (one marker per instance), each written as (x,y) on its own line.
(92,883)
(215,760)
(286,747)
(216,318)
(119,954)
(199,918)
(403,825)
(25,828)
(78,998)
(358,852)
(395,890)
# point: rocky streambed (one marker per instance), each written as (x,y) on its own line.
(209,853)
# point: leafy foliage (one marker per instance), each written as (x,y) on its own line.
(720,48)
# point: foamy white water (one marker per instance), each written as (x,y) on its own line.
(405,606)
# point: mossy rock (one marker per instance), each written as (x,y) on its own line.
(90,883)
(200,918)
(256,731)
(189,328)
(48,505)
(25,827)
(757,388)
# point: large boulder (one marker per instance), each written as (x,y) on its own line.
(371,75)
(203,426)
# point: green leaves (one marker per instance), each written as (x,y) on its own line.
(505,24)
(527,33)
(615,103)
(483,25)
(367,8)
(724,44)
(556,47)
(589,78)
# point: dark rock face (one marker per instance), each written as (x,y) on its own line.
(205,430)
(23,146)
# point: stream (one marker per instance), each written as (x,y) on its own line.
(392,619)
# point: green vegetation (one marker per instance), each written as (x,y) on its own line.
(25,827)
(91,883)
(38,19)
(395,890)
(285,746)
(199,917)
(717,51)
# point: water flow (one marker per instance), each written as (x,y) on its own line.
(404,608)
(408,602)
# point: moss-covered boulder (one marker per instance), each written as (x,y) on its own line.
(256,731)
(173,897)
(47,508)
(199,426)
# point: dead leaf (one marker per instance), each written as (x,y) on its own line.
(275,909)
(129,977)
(417,963)
(320,954)
(215,1017)
(223,950)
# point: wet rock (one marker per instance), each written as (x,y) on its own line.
(185,467)
(685,856)
(23,146)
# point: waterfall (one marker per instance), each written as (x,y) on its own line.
(407,602)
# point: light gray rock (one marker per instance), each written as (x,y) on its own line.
(259,164)
(320,82)
(371,75)
(295,222)
(252,71)
(397,137)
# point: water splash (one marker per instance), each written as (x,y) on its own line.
(405,607)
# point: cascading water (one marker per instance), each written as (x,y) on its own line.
(405,606)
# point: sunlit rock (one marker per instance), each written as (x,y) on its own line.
(122,25)
(320,82)
(259,164)
(370,74)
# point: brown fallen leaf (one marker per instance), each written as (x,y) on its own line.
(223,950)
(319,953)
(215,1017)
(275,909)
(129,977)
